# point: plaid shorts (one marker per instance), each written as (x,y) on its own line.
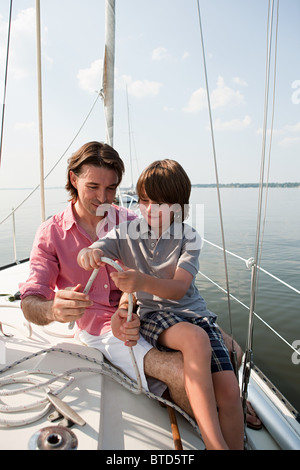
(154,324)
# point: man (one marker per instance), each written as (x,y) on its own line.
(94,173)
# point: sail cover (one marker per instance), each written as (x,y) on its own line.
(108,69)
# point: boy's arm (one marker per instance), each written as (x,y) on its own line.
(173,289)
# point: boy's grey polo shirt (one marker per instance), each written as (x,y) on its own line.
(136,246)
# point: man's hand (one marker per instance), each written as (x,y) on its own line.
(69,304)
(124,330)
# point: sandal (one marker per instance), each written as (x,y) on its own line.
(252,420)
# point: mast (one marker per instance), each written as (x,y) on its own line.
(40,111)
(129,136)
(108,70)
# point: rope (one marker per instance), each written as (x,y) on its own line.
(234,355)
(5,79)
(271,134)
(248,353)
(129,315)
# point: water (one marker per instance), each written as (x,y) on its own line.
(275,303)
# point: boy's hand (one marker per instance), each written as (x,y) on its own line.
(90,258)
(128,281)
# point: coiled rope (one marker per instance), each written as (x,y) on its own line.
(104,369)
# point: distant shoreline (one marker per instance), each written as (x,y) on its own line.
(247,185)
(198,185)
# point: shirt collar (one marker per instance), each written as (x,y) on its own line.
(171,230)
(69,218)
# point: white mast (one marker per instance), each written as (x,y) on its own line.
(40,112)
(108,70)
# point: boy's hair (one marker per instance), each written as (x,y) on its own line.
(165,181)
(96,154)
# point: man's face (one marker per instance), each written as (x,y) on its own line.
(95,186)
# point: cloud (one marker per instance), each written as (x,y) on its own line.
(186,55)
(90,79)
(142,88)
(25,126)
(168,109)
(233,125)
(221,97)
(22,60)
(287,133)
(197,101)
(294,128)
(160,53)
(274,131)
(289,141)
(138,88)
(239,81)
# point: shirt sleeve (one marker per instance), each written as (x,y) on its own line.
(44,267)
(190,251)
(109,244)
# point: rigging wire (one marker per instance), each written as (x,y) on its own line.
(248,362)
(271,131)
(234,355)
(261,182)
(5,79)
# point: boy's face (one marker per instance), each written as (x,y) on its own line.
(158,215)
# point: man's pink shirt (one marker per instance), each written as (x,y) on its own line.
(53,264)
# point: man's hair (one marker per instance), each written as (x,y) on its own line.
(165,181)
(96,154)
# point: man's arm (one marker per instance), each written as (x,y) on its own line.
(68,305)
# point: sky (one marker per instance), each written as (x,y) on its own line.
(160,98)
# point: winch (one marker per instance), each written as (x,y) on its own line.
(53,438)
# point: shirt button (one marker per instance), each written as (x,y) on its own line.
(152,245)
(105,286)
